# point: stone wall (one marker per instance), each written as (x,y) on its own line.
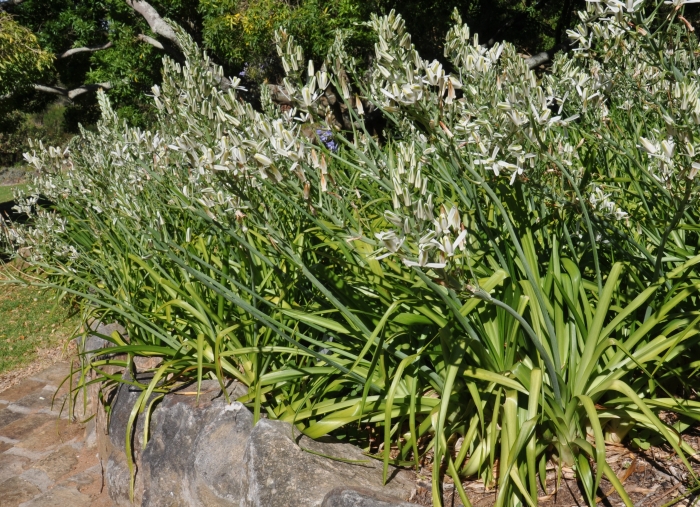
(210,453)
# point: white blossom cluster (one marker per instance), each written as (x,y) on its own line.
(601,202)
(429,240)
(491,117)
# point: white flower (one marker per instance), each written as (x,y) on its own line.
(453,218)
(265,161)
(694,168)
(668,146)
(447,246)
(619,214)
(648,146)
(516,172)
(393,218)
(620,6)
(679,3)
(390,240)
(434,72)
(423,262)
(322,79)
(450,93)
(600,201)
(307,96)
(459,242)
(358,106)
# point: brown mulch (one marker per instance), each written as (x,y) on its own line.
(652,478)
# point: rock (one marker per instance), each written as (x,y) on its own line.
(39,478)
(117,481)
(94,343)
(347,497)
(144,364)
(195,453)
(97,348)
(281,473)
(60,497)
(16,490)
(209,453)
(24,426)
(192,452)
(58,463)
(11,465)
(112,447)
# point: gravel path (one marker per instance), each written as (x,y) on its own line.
(44,461)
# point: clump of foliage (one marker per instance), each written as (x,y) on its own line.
(531,26)
(513,262)
(238,35)
(18,127)
(241,33)
(21,58)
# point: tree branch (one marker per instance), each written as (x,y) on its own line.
(50,89)
(72,94)
(91,49)
(160,27)
(546,56)
(150,40)
(89,88)
(539,59)
(154,20)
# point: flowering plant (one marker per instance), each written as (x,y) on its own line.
(508,268)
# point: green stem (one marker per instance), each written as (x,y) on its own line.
(526,266)
(670,227)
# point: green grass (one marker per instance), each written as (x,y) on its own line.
(6,192)
(31,319)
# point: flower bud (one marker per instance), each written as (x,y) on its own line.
(648,146)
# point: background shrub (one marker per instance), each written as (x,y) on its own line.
(119,48)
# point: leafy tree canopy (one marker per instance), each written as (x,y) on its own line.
(22,59)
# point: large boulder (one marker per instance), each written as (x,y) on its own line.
(195,446)
(209,453)
(195,454)
(206,452)
(295,471)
